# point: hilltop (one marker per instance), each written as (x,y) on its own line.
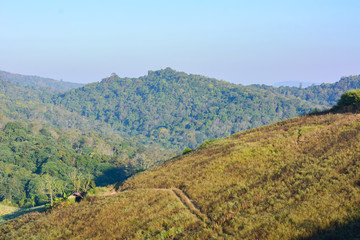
(177,109)
(294,179)
(36,81)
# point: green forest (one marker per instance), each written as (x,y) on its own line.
(176,109)
(32,154)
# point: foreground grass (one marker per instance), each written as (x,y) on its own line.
(291,180)
(8,212)
(137,214)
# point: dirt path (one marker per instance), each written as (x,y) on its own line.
(184,200)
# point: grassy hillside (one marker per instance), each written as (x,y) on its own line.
(35,81)
(294,179)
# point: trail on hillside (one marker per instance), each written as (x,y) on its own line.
(183,198)
(186,201)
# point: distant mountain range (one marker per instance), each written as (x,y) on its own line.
(174,109)
(35,81)
(294,84)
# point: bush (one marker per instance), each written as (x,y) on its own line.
(187,150)
(349,101)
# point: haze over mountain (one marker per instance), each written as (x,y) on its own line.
(36,81)
(294,84)
(326,94)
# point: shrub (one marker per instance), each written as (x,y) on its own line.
(187,150)
(349,101)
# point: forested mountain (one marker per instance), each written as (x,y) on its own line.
(172,108)
(32,104)
(296,179)
(30,153)
(326,94)
(177,109)
(35,81)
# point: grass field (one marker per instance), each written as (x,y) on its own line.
(296,179)
(8,212)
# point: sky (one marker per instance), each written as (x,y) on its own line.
(254,41)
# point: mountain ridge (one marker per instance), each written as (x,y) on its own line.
(36,81)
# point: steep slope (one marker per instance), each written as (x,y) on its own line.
(290,180)
(326,94)
(35,81)
(179,110)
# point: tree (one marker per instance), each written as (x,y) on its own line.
(50,186)
(80,181)
(349,101)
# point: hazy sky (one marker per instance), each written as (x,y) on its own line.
(238,41)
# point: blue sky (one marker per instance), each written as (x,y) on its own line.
(238,41)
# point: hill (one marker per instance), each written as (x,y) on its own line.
(32,104)
(294,84)
(35,81)
(174,109)
(290,180)
(177,109)
(326,94)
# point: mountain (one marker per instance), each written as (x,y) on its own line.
(294,179)
(30,104)
(177,109)
(326,94)
(174,109)
(35,81)
(294,84)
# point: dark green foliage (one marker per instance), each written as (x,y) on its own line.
(28,152)
(177,109)
(349,102)
(187,150)
(324,95)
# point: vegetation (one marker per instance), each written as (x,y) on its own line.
(294,179)
(35,81)
(31,104)
(325,95)
(38,163)
(173,109)
(349,102)
(176,109)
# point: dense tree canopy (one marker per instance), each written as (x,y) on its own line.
(177,109)
(31,155)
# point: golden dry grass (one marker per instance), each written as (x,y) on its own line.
(289,180)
